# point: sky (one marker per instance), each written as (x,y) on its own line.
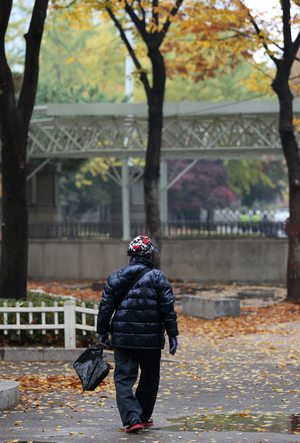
(261,4)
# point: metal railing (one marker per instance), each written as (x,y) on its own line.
(223,229)
(75,230)
(172,229)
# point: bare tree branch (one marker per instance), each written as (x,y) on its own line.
(31,71)
(143,75)
(287,36)
(7,97)
(143,12)
(168,22)
(140,24)
(67,6)
(294,78)
(244,34)
(6,6)
(258,32)
(154,12)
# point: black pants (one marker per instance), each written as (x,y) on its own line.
(127,363)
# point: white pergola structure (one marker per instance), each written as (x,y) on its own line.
(191,130)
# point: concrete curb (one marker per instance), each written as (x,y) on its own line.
(46,354)
(9,394)
(52,354)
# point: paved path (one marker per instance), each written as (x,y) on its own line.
(243,389)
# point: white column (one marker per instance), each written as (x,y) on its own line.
(164,196)
(125,200)
(129,67)
(125,169)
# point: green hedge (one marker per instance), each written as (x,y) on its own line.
(37,338)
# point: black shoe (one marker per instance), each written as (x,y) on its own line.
(147,422)
(134,425)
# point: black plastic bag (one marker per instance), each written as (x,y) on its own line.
(91,368)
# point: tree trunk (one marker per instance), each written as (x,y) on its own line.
(14,251)
(152,167)
(291,153)
(155,99)
(14,125)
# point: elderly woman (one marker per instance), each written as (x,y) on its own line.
(142,301)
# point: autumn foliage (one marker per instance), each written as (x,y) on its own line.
(33,386)
(251,321)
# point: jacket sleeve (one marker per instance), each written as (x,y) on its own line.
(106,308)
(166,305)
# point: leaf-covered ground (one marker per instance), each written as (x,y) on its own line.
(245,367)
(45,382)
(257,314)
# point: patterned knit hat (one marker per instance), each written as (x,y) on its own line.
(141,245)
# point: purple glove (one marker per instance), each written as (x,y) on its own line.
(104,340)
(173,345)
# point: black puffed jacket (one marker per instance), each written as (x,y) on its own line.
(147,311)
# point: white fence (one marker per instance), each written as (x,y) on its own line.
(69,325)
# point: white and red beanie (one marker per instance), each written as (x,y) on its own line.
(141,245)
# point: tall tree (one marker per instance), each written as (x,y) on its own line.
(282,49)
(276,31)
(153,30)
(14,124)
